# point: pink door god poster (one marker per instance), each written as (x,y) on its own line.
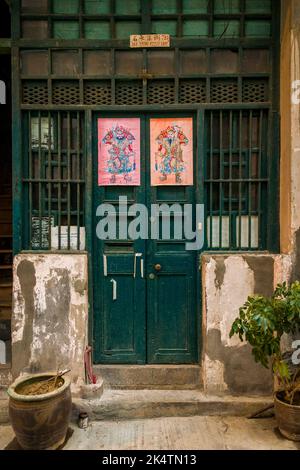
(119,152)
(171,147)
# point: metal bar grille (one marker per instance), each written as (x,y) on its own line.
(236,182)
(54,180)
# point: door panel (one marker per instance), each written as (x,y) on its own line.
(171,309)
(171,325)
(120,323)
(122,311)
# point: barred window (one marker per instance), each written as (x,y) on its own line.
(54,180)
(236,179)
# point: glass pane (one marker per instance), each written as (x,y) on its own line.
(224,61)
(242,231)
(97,30)
(193,61)
(34,62)
(128,7)
(226,6)
(125,28)
(161,62)
(65,62)
(35,29)
(40,133)
(258,28)
(214,237)
(66,6)
(256,60)
(66,29)
(226,29)
(194,6)
(32,6)
(164,7)
(164,27)
(195,28)
(96,62)
(93,7)
(129,62)
(258,6)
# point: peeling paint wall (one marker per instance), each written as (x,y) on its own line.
(290,133)
(50,314)
(227,281)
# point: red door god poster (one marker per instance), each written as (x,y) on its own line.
(171,147)
(119,152)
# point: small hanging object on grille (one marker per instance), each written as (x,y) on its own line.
(90,376)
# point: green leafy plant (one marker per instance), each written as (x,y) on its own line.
(262,322)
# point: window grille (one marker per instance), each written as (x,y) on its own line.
(54,180)
(236,179)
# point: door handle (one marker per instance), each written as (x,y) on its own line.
(114,289)
(157,267)
(138,255)
(105,265)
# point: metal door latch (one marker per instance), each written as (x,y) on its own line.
(114,290)
(105,265)
(138,255)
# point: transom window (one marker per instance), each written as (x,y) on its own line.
(106,19)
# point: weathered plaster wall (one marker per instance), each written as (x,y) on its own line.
(290,133)
(227,281)
(285,109)
(50,314)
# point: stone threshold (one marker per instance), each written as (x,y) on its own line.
(160,377)
(141,404)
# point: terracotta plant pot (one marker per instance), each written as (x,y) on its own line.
(40,422)
(288,418)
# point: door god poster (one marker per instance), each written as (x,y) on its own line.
(119,152)
(171,147)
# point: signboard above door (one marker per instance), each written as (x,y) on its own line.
(149,40)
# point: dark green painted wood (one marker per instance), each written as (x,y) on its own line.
(152,321)
(119,325)
(273,229)
(17,170)
(172,294)
(88,221)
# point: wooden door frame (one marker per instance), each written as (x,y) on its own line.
(198,137)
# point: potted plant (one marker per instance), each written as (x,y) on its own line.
(40,409)
(262,322)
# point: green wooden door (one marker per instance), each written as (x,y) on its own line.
(145,291)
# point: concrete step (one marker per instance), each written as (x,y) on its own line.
(161,377)
(140,404)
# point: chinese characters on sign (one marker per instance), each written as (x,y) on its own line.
(149,40)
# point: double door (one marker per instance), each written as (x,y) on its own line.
(145,290)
